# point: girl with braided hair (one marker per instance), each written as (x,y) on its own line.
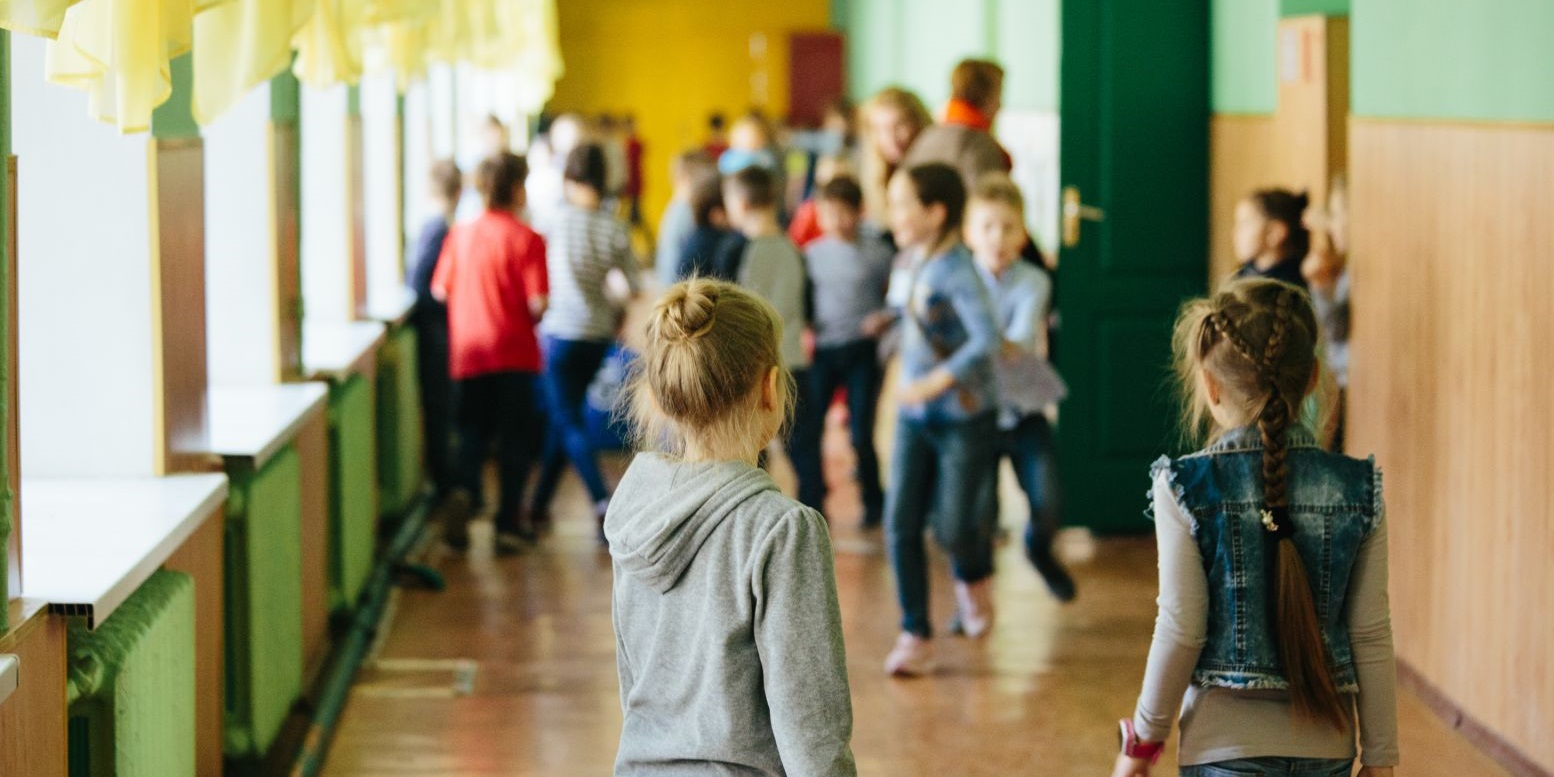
(1273,618)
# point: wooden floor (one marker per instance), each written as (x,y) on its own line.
(511,671)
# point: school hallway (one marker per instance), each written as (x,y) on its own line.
(511,670)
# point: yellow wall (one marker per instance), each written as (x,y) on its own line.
(672,62)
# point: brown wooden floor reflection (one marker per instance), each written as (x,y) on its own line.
(1039,697)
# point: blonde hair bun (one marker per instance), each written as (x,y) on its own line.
(709,346)
(686,312)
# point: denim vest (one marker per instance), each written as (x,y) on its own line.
(1335,502)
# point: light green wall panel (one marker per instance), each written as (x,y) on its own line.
(937,35)
(1324,7)
(873,46)
(174,118)
(1029,41)
(916,43)
(1488,60)
(1243,42)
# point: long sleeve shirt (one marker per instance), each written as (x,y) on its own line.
(1220,724)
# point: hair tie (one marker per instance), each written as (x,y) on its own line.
(1276,521)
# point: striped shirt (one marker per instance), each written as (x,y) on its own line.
(585,245)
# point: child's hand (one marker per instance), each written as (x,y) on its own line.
(925,389)
(876,323)
(1322,266)
(1130,767)
(1011,351)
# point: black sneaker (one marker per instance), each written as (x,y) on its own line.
(509,541)
(1038,549)
(456,513)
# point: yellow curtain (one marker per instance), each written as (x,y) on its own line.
(34,17)
(329,46)
(239,45)
(118,52)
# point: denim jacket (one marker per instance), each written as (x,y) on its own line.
(1335,502)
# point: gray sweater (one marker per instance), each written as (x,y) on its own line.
(728,633)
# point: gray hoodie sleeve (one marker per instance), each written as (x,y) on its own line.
(798,632)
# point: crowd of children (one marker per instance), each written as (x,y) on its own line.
(909,244)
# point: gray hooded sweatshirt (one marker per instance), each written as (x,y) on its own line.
(728,636)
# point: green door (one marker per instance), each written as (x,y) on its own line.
(1135,97)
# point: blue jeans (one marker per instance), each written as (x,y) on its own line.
(570,365)
(854,367)
(1284,767)
(1028,447)
(945,469)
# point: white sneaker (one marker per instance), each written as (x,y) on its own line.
(975,603)
(912,656)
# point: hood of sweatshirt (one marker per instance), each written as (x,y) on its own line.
(664,510)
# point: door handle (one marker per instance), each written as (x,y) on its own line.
(1075,211)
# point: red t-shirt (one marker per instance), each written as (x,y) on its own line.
(805,226)
(490,268)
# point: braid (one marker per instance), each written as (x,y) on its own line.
(1296,628)
(1274,421)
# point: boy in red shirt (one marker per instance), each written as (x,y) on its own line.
(492,277)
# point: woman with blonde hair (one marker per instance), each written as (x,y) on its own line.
(891,122)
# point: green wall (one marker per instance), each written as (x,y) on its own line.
(1324,7)
(1488,60)
(915,44)
(1242,46)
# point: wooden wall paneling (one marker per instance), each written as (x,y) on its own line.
(1241,158)
(1310,126)
(32,720)
(1453,267)
(313,453)
(201,557)
(355,183)
(178,304)
(285,185)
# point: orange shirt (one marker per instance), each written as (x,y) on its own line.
(491,267)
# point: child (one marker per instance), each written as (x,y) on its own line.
(1273,564)
(712,233)
(1326,270)
(770,266)
(1271,237)
(849,272)
(749,144)
(805,226)
(679,222)
(492,276)
(586,244)
(430,318)
(944,462)
(1022,295)
(728,632)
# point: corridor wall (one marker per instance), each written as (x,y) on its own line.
(916,43)
(672,62)
(1451,148)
